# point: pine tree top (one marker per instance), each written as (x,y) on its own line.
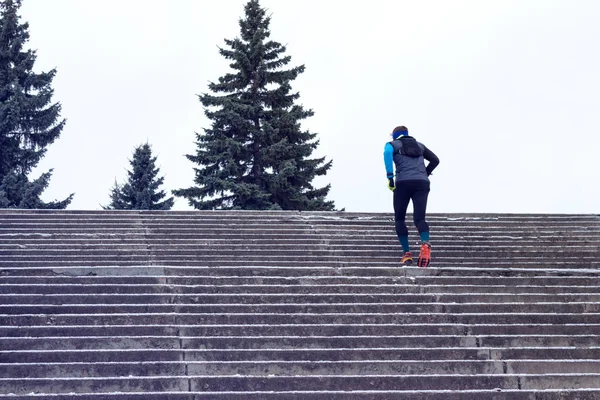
(141,190)
(256,155)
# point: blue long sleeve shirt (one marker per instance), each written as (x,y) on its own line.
(388,159)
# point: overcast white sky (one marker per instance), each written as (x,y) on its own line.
(505,92)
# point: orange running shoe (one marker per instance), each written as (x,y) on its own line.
(424,255)
(406,258)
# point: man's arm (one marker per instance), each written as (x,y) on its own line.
(432,158)
(388,159)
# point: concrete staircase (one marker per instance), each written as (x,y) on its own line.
(296,305)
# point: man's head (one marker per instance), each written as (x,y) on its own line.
(399,131)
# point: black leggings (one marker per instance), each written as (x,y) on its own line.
(417,191)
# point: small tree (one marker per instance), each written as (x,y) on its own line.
(255,155)
(140,192)
(29,123)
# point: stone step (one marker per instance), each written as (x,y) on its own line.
(371,269)
(324,268)
(490,394)
(301,354)
(456,234)
(392,255)
(301,330)
(342,228)
(311,217)
(308,215)
(358,239)
(295,383)
(334,270)
(288,218)
(7,331)
(344,283)
(89,342)
(500,239)
(333,262)
(216,299)
(332,217)
(297,289)
(349,248)
(304,308)
(300,253)
(306,368)
(296,318)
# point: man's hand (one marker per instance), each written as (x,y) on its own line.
(391,184)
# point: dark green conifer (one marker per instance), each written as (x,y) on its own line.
(29,122)
(256,155)
(140,192)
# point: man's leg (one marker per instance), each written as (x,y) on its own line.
(401,200)
(419,199)
(420,209)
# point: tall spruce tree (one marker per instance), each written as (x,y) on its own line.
(140,192)
(256,156)
(29,122)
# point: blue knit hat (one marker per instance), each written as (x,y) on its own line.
(399,131)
